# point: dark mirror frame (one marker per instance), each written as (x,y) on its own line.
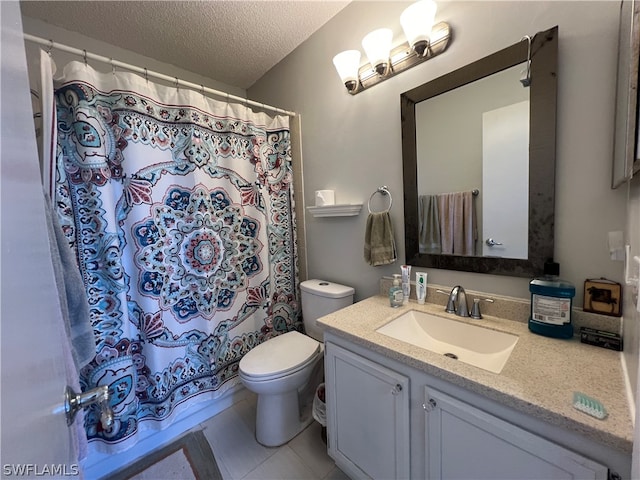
(542,156)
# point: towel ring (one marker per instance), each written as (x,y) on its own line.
(382,191)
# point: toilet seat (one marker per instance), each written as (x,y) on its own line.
(279,356)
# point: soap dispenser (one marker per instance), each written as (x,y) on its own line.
(551,303)
(396,296)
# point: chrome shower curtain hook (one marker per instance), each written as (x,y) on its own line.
(146,75)
(84,57)
(113,66)
(176,84)
(202,89)
(50,47)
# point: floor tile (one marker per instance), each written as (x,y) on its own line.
(233,443)
(247,410)
(285,464)
(308,445)
(174,466)
(231,435)
(336,474)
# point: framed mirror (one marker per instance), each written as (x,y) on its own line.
(456,111)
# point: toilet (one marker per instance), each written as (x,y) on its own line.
(285,370)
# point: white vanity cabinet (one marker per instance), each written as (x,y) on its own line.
(367,416)
(387,420)
(463,442)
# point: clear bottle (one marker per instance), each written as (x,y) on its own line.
(551,304)
(395,292)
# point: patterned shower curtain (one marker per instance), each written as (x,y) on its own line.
(180,209)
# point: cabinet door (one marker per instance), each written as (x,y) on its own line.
(464,442)
(367,416)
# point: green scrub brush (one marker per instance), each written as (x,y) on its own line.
(589,405)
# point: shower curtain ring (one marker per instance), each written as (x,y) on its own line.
(50,47)
(84,56)
(177,86)
(113,67)
(146,75)
(202,89)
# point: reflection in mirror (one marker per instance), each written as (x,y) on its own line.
(492,116)
(480,130)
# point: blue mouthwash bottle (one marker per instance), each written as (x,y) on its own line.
(551,303)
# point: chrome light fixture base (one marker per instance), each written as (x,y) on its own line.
(404,57)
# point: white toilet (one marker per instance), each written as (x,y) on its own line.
(285,370)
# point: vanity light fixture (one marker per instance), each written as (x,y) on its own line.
(424,40)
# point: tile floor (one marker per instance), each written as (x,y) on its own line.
(231,435)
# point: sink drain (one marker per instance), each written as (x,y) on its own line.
(451,355)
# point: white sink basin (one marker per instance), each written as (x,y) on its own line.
(475,345)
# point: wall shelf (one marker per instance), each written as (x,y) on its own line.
(336,210)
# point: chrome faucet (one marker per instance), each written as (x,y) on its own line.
(458,302)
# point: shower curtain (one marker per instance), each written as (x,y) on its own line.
(180,209)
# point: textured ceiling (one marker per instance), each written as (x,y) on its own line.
(235,42)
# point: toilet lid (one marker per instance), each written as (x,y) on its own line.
(279,355)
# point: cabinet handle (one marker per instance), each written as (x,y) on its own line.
(430,405)
(397,389)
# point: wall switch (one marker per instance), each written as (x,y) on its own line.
(616,246)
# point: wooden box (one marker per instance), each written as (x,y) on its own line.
(603,296)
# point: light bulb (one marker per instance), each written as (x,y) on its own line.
(377,45)
(417,21)
(347,64)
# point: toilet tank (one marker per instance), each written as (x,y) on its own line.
(320,298)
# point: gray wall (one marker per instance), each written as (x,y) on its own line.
(352,144)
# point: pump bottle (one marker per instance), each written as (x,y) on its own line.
(395,292)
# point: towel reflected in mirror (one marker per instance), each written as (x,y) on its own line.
(448,223)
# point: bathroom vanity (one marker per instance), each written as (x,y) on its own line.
(397,410)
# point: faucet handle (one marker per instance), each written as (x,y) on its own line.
(475,310)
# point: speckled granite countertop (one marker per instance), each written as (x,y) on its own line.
(538,379)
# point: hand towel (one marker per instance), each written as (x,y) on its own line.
(458,225)
(379,243)
(429,225)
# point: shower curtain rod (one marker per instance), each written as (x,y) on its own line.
(149,73)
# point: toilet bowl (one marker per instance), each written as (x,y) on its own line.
(285,370)
(276,370)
